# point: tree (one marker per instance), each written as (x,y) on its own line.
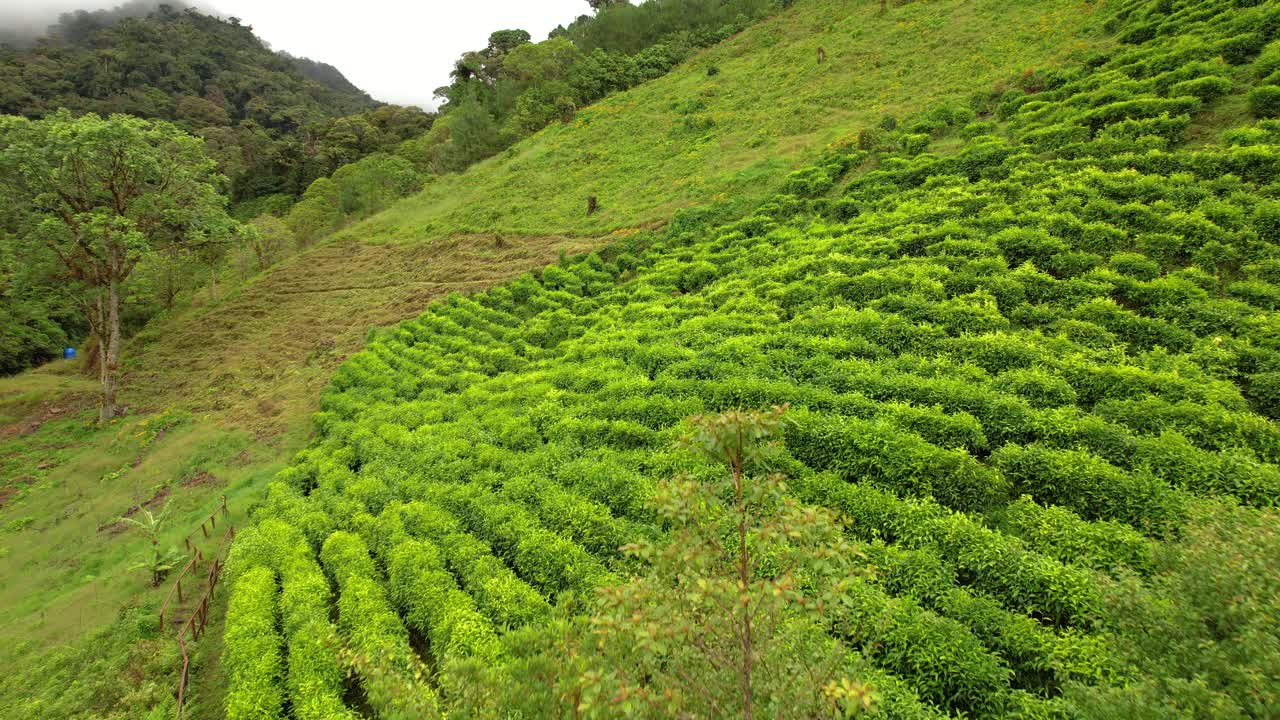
(598,5)
(473,136)
(728,620)
(102,195)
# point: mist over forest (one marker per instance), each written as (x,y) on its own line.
(73,20)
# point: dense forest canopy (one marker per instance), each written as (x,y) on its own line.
(264,118)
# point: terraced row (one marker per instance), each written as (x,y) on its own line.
(1017,369)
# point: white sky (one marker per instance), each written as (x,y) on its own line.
(398,51)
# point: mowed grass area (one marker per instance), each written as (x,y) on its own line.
(67,563)
(259,357)
(696,138)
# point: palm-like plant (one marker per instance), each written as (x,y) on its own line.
(161,561)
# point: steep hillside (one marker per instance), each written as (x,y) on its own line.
(725,126)
(242,373)
(1032,359)
(536,197)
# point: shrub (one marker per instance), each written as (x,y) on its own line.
(1135,265)
(1264,391)
(1063,535)
(1242,48)
(810,182)
(945,662)
(1207,88)
(1264,101)
(316,680)
(394,679)
(1040,388)
(252,657)
(547,560)
(994,563)
(915,143)
(1092,487)
(696,275)
(433,604)
(877,451)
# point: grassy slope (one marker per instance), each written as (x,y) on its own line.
(244,372)
(691,138)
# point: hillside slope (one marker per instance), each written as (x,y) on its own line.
(535,196)
(1033,358)
(694,137)
(241,374)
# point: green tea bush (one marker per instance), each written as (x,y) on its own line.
(255,669)
(1021,365)
(433,604)
(810,182)
(997,564)
(879,452)
(1092,487)
(1264,392)
(1264,101)
(1207,88)
(1242,48)
(393,676)
(1040,388)
(946,663)
(914,144)
(1062,534)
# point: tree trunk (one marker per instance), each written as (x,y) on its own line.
(170,279)
(109,350)
(744,580)
(99,329)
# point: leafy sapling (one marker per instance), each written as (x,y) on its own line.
(728,619)
(159,562)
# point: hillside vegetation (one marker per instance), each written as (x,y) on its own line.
(270,128)
(387,268)
(727,124)
(630,150)
(1021,297)
(1031,345)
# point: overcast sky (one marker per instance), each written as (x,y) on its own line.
(396,50)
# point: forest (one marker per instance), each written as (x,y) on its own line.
(973,414)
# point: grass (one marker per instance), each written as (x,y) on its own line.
(67,562)
(691,138)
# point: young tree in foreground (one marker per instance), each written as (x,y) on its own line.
(727,621)
(102,195)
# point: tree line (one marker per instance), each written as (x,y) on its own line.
(277,152)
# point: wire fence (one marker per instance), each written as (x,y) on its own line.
(199,618)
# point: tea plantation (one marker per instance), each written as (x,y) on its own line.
(1032,349)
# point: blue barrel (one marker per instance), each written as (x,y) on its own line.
(68,353)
